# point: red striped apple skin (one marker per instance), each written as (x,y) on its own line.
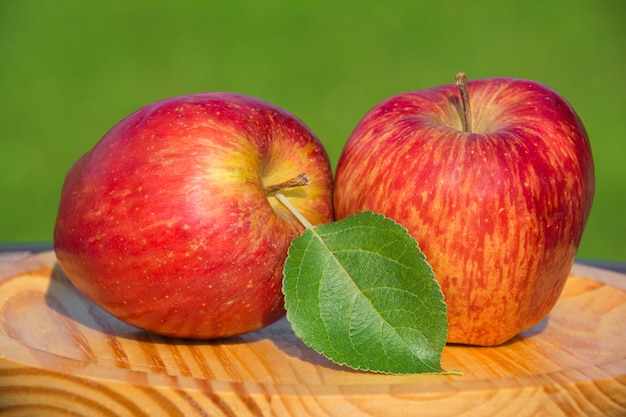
(165,222)
(499,211)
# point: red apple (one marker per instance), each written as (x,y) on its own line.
(169,224)
(498,210)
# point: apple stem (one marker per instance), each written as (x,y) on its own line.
(461,82)
(285,201)
(298,181)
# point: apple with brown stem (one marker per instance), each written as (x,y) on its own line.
(166,222)
(495,180)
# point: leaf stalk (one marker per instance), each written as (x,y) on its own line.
(285,201)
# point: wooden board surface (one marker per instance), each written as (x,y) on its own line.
(62,355)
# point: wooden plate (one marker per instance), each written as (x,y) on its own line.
(62,355)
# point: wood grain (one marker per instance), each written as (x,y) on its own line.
(61,355)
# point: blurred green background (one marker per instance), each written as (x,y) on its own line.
(70,70)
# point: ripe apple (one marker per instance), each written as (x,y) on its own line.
(494,179)
(169,224)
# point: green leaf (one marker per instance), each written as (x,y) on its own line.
(360,292)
